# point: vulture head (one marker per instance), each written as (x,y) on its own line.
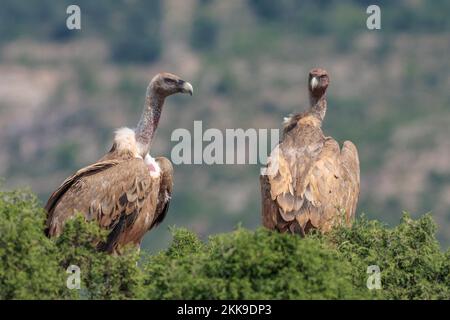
(318,82)
(166,84)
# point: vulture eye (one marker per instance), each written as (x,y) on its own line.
(170,81)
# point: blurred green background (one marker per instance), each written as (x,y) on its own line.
(63,92)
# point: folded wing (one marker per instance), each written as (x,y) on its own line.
(119,194)
(312,183)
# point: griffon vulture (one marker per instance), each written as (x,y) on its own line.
(127,191)
(310,182)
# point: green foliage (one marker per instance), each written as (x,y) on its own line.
(241,264)
(28,260)
(34,267)
(249,265)
(411,262)
(103,276)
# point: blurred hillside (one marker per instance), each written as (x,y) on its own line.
(62,94)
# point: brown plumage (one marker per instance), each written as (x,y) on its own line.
(127,191)
(310,183)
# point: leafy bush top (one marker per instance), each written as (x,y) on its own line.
(241,264)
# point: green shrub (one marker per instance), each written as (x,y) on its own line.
(410,259)
(102,276)
(241,264)
(28,260)
(34,267)
(249,265)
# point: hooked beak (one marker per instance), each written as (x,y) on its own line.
(314,83)
(187,88)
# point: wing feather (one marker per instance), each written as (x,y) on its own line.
(114,192)
(268,205)
(350,177)
(165,191)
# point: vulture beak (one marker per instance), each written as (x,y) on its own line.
(314,83)
(187,88)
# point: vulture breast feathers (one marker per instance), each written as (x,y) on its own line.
(311,183)
(126,195)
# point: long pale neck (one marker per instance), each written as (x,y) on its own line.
(148,123)
(318,105)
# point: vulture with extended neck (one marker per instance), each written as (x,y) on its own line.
(127,191)
(310,183)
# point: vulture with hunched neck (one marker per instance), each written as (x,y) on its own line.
(310,183)
(127,191)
